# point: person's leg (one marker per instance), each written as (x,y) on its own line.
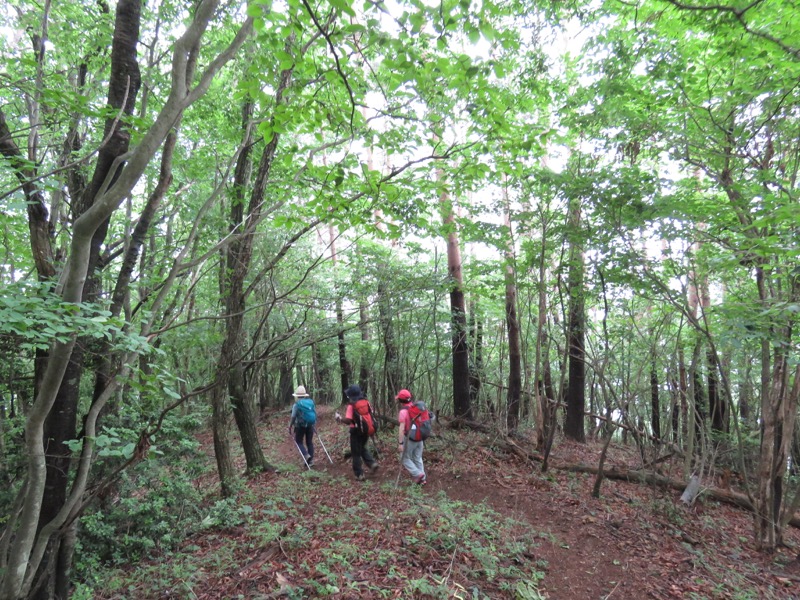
(310,442)
(356,448)
(299,433)
(367,456)
(416,458)
(410,462)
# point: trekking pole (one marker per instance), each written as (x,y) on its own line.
(301,452)
(375,447)
(400,470)
(319,437)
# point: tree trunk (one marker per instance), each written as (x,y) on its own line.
(698,396)
(345,369)
(686,414)
(476,352)
(512,324)
(391,354)
(574,427)
(717,408)
(221,428)
(541,359)
(231,285)
(458,317)
(655,404)
(322,393)
(364,364)
(770,475)
(284,380)
(745,391)
(38,215)
(60,425)
(675,411)
(239,255)
(26,550)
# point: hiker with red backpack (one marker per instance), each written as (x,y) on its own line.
(415,427)
(360,418)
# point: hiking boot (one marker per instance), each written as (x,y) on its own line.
(421,479)
(310,462)
(360,477)
(373,467)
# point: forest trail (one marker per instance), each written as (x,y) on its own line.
(634,542)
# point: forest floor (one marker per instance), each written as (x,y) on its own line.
(488,524)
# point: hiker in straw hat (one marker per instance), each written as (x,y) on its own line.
(303,419)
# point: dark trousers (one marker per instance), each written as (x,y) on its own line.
(305,433)
(358,449)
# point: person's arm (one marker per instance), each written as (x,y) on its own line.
(347,419)
(294,416)
(401,430)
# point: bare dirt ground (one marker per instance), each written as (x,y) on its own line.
(633,542)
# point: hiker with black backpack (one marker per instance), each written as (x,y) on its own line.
(361,420)
(303,420)
(414,429)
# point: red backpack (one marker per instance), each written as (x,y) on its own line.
(363,418)
(420,421)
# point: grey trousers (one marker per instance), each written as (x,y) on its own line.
(412,458)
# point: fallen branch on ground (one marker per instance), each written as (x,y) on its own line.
(639,476)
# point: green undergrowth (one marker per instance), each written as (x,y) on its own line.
(308,535)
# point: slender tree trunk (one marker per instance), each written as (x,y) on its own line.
(60,425)
(364,375)
(458,318)
(779,405)
(542,405)
(345,369)
(698,395)
(38,216)
(221,427)
(655,404)
(787,417)
(687,417)
(391,354)
(574,427)
(717,407)
(322,393)
(243,226)
(745,391)
(231,283)
(512,323)
(675,409)
(285,390)
(476,352)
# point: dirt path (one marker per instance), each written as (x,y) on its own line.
(585,555)
(632,543)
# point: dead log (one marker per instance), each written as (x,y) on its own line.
(648,477)
(637,476)
(459,423)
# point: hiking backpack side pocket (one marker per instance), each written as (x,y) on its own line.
(420,418)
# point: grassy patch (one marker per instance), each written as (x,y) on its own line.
(321,537)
